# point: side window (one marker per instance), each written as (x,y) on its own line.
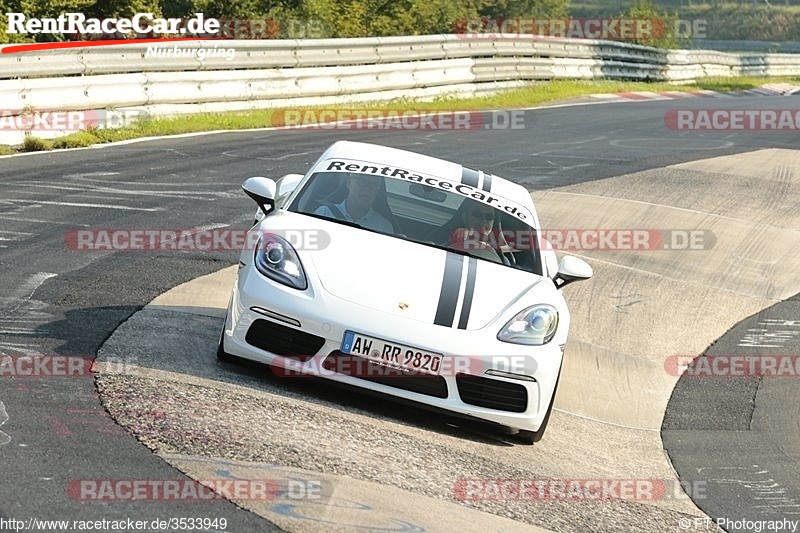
(322,187)
(523,239)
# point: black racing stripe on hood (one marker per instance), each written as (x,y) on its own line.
(487,182)
(448,296)
(469,291)
(469,177)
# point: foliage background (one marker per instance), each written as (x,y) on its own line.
(363,18)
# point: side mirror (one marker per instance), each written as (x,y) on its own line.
(262,191)
(571,269)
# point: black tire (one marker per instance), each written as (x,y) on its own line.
(528,437)
(222,355)
(532,437)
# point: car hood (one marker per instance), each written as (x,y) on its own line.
(418,282)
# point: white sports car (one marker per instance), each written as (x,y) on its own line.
(406,275)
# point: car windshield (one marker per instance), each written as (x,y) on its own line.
(425,214)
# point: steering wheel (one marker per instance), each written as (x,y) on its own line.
(468,240)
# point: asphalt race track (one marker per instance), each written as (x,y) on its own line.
(591,164)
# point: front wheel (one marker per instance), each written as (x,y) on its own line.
(222,355)
(532,437)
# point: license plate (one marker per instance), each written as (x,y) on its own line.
(391,354)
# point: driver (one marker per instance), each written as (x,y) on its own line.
(479,218)
(476,233)
(358,205)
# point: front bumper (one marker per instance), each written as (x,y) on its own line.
(316,321)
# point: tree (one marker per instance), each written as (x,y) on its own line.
(665,25)
(525,8)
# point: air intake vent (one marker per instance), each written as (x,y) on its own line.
(283,340)
(492,393)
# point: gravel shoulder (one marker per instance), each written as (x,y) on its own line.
(177,399)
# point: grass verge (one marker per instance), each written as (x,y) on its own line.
(533,95)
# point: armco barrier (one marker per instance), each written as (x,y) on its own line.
(268,73)
(785,47)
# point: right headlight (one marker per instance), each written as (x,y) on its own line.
(276,259)
(534,326)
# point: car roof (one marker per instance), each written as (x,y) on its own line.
(454,172)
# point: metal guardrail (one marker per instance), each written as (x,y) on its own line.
(269,54)
(281,72)
(784,47)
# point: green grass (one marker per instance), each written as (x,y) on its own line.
(76,140)
(533,95)
(32,143)
(741,84)
(704,8)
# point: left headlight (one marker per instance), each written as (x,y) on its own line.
(278,260)
(535,326)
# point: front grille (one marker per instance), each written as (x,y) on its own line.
(283,340)
(365,369)
(492,393)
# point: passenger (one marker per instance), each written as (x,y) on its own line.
(358,206)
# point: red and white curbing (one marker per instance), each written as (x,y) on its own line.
(770,89)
